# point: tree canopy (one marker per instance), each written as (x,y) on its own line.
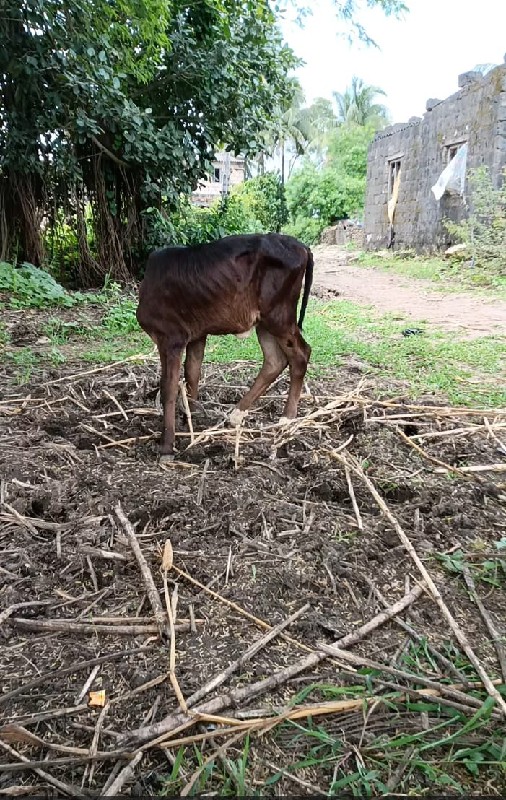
(111,110)
(121,105)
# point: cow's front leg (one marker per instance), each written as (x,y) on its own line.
(169,388)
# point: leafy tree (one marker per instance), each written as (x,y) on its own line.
(264,198)
(122,105)
(319,196)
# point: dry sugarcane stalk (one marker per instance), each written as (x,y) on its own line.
(63,787)
(186,405)
(446,663)
(114,790)
(497,638)
(238,696)
(171,605)
(78,375)
(457,631)
(353,499)
(154,597)
(86,628)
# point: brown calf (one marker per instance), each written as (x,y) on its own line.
(228,286)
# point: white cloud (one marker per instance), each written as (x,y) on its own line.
(420,56)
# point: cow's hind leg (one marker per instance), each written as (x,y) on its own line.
(274,363)
(192,367)
(170,358)
(297,352)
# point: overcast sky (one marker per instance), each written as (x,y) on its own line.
(420,56)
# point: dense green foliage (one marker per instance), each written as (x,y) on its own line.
(264,199)
(484,231)
(131,98)
(318,196)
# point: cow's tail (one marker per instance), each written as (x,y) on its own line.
(308,280)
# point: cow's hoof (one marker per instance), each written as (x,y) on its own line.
(166,458)
(284,421)
(236,417)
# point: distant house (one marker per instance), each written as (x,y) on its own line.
(227,171)
(416,171)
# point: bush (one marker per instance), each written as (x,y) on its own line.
(307,230)
(29,287)
(193,225)
(265,199)
(485,228)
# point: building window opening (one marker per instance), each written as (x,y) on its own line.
(217,175)
(451,151)
(394,167)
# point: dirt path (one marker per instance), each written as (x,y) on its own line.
(470,314)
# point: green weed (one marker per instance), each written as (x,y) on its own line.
(24,360)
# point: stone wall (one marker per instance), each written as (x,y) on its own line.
(344,232)
(476,114)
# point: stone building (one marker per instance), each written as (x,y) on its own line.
(406,161)
(227,171)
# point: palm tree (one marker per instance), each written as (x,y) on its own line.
(303,128)
(357,105)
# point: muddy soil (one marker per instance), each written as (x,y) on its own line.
(267,527)
(467,314)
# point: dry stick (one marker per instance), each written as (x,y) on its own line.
(60,673)
(63,787)
(99,553)
(186,406)
(497,639)
(200,493)
(34,719)
(238,432)
(435,686)
(245,657)
(353,499)
(237,696)
(94,743)
(77,375)
(490,430)
(459,634)
(446,663)
(86,628)
(88,683)
(476,468)
(18,606)
(13,733)
(116,403)
(152,591)
(114,790)
(171,605)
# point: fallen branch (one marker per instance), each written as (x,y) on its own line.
(497,637)
(68,626)
(153,734)
(152,591)
(457,631)
(62,787)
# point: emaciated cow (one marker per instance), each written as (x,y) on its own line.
(228,286)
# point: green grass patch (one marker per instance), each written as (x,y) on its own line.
(467,372)
(445,274)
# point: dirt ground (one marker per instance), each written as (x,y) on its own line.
(265,520)
(468,314)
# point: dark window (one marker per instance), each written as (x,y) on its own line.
(451,151)
(217,175)
(394,167)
